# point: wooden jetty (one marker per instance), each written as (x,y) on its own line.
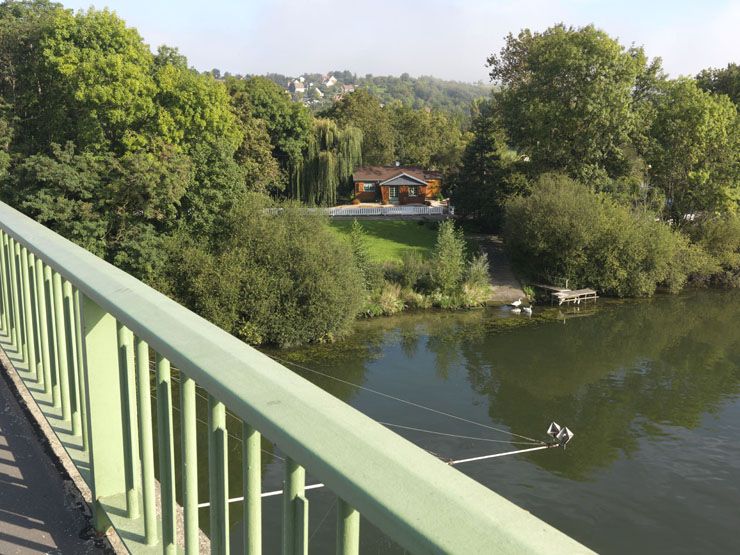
(563,295)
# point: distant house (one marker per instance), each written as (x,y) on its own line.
(297,86)
(330,81)
(395,184)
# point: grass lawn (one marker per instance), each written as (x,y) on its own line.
(389,238)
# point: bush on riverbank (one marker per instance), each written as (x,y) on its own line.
(283,279)
(448,279)
(719,236)
(566,231)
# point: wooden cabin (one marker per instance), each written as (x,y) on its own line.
(396,184)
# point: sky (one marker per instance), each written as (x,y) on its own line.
(450,39)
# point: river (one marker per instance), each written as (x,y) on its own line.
(651,389)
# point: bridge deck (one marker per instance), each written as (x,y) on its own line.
(38,511)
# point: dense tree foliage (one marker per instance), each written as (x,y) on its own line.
(694,149)
(331,155)
(564,231)
(269,277)
(490,172)
(426,138)
(287,123)
(364,111)
(721,81)
(566,98)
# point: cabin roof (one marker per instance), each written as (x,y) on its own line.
(384,173)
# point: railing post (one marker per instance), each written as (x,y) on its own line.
(73,360)
(3,318)
(28,313)
(103,385)
(18,297)
(189,463)
(8,309)
(252,488)
(218,476)
(166,454)
(52,334)
(77,304)
(35,308)
(144,399)
(42,301)
(348,529)
(130,429)
(295,510)
(60,334)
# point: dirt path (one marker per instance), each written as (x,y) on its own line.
(504,285)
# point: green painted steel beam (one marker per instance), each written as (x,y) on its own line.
(420,502)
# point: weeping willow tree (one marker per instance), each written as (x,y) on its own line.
(331,156)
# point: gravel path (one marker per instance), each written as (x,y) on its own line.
(505,288)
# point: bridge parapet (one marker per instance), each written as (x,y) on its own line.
(89,335)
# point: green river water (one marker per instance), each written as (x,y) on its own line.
(651,389)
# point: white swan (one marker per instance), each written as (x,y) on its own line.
(516,310)
(527,309)
(517,303)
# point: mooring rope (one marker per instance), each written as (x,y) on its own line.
(407,402)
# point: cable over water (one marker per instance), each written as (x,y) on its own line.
(458,436)
(411,403)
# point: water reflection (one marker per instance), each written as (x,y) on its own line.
(637,381)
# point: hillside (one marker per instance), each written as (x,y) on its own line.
(419,92)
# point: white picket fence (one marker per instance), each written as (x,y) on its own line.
(377,211)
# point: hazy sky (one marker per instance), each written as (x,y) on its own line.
(445,38)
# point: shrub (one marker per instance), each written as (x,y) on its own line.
(413,267)
(356,201)
(448,261)
(565,231)
(282,279)
(390,300)
(719,237)
(478,270)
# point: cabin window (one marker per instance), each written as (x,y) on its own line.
(369,187)
(413,191)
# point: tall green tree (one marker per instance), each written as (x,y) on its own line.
(566,98)
(363,110)
(106,143)
(331,156)
(288,123)
(694,149)
(100,79)
(426,138)
(490,174)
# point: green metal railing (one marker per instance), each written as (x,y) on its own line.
(84,332)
